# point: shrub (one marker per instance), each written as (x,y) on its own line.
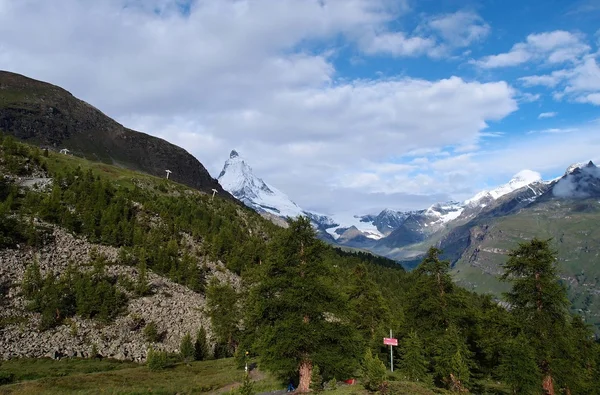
(373,372)
(247,387)
(156,360)
(151,332)
(6,378)
(186,349)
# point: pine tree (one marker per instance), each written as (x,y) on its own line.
(370,311)
(538,301)
(297,312)
(453,360)
(413,363)
(373,371)
(518,367)
(201,351)
(224,312)
(186,349)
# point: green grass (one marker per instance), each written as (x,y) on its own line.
(112,377)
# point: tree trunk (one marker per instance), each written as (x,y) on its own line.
(548,385)
(305,376)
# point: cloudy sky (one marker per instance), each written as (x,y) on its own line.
(343,104)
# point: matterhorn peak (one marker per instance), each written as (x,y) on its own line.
(234,154)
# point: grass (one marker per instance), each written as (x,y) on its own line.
(112,377)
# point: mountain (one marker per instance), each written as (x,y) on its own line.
(566,210)
(46,115)
(238,179)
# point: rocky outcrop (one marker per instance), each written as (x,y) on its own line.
(175,309)
(44,114)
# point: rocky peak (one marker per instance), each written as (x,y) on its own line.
(234,154)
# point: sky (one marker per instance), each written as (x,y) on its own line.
(345,105)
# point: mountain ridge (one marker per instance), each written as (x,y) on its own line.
(47,115)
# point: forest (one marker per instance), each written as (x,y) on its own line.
(306,311)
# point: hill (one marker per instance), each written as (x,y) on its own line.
(47,115)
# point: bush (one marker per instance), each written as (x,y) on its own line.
(247,387)
(316,380)
(373,372)
(6,378)
(201,351)
(156,360)
(151,332)
(186,349)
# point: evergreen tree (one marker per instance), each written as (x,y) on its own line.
(538,301)
(453,360)
(224,312)
(370,311)
(518,367)
(186,349)
(413,363)
(373,371)
(297,313)
(201,351)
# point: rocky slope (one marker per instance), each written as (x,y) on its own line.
(175,309)
(44,114)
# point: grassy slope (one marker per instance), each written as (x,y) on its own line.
(576,237)
(218,376)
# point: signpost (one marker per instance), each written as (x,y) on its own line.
(390,341)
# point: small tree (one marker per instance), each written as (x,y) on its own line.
(453,360)
(201,351)
(151,332)
(186,349)
(247,387)
(156,360)
(413,363)
(142,288)
(316,380)
(373,372)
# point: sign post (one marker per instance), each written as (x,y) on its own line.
(390,341)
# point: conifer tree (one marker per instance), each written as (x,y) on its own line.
(453,360)
(201,351)
(538,301)
(186,349)
(298,313)
(369,309)
(518,367)
(413,363)
(224,312)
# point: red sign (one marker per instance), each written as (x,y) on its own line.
(390,342)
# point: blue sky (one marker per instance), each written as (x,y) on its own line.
(346,105)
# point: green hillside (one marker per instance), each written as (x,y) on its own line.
(573,226)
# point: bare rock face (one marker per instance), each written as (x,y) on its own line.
(175,309)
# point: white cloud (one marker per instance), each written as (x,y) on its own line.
(396,44)
(461,28)
(552,47)
(547,115)
(241,75)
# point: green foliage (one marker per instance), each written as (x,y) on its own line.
(316,380)
(518,367)
(151,333)
(247,387)
(224,312)
(89,294)
(142,287)
(186,348)
(374,372)
(453,360)
(201,350)
(413,364)
(6,378)
(156,360)
(296,314)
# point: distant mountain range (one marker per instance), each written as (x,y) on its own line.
(385,233)
(476,234)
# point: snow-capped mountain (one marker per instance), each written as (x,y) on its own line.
(238,179)
(519,180)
